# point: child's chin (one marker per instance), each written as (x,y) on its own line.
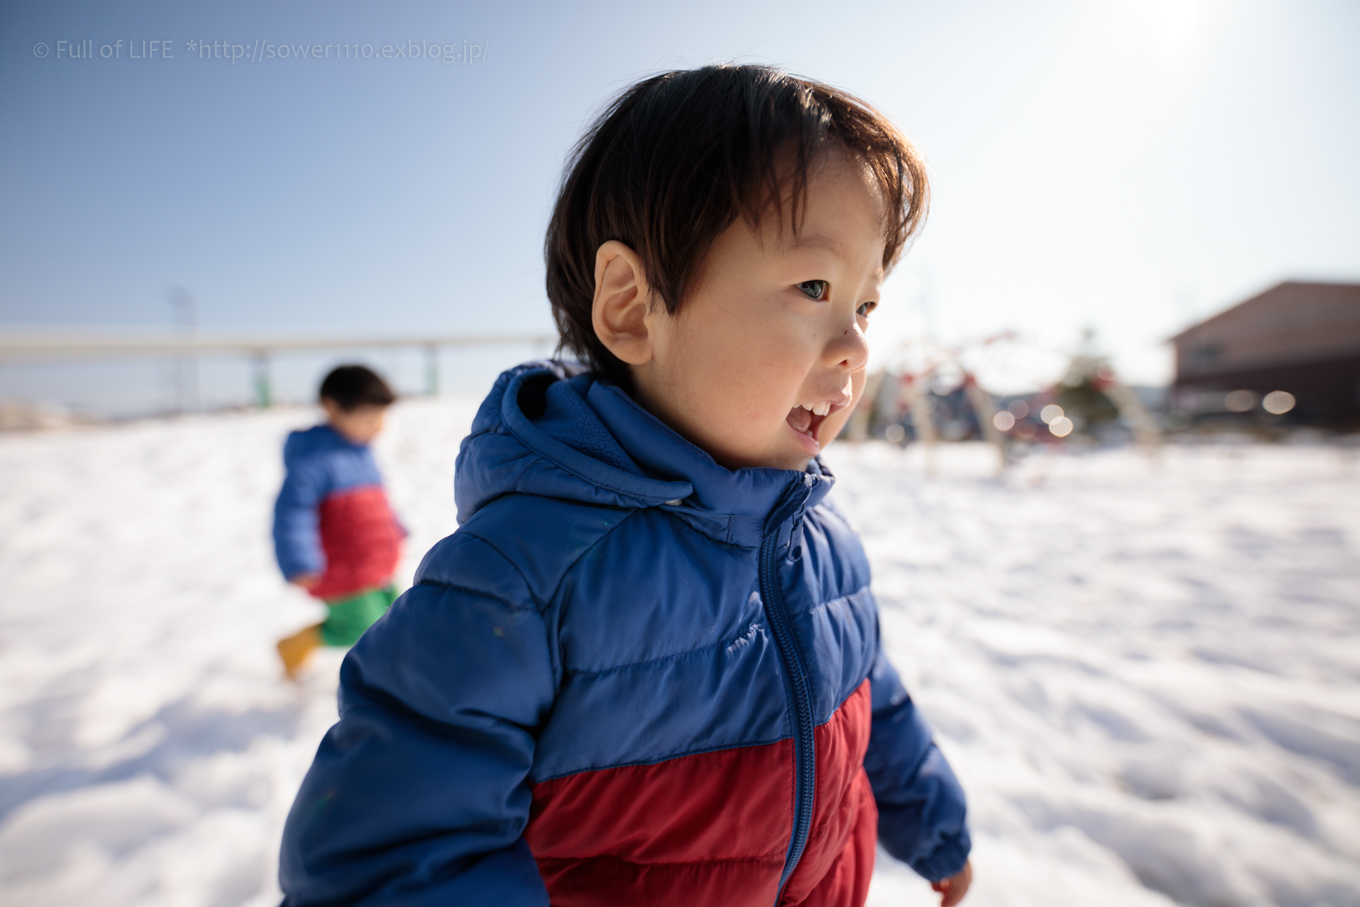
(788,450)
(795,460)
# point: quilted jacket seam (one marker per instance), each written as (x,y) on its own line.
(660,759)
(674,656)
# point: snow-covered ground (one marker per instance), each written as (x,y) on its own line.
(1146,673)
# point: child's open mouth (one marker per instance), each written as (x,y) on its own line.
(806,420)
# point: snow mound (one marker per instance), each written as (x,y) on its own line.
(1147,674)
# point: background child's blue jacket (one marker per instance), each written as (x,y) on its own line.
(630,677)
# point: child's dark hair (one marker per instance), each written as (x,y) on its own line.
(675,159)
(353,386)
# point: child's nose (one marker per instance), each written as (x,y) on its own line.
(850,350)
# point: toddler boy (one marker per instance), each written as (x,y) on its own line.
(334,533)
(646,670)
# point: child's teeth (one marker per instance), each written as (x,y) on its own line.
(806,406)
(822,408)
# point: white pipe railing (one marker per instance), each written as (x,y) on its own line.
(26,346)
(34,346)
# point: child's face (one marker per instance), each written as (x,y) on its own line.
(359,425)
(771,326)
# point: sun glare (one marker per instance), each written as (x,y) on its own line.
(1173,23)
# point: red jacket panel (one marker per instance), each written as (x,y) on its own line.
(362,541)
(651,837)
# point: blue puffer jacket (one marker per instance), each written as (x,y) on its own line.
(630,677)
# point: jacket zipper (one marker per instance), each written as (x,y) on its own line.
(800,704)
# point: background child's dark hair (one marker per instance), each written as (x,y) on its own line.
(352,386)
(675,159)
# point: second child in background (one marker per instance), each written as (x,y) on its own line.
(334,533)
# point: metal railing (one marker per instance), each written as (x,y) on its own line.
(29,346)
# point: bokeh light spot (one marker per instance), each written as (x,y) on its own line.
(1277,403)
(1240,401)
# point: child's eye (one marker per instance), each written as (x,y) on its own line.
(814,289)
(865,308)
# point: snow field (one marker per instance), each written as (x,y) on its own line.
(1143,672)
(149,750)
(1146,674)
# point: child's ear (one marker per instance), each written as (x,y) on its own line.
(622,301)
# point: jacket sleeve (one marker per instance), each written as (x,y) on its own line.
(921,807)
(297,539)
(420,794)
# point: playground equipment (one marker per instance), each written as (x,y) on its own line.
(908,391)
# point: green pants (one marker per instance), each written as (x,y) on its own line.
(350,617)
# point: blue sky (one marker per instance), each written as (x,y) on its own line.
(1128,166)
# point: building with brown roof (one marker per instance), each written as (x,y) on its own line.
(1302,339)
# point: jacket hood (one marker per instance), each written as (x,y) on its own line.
(549,428)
